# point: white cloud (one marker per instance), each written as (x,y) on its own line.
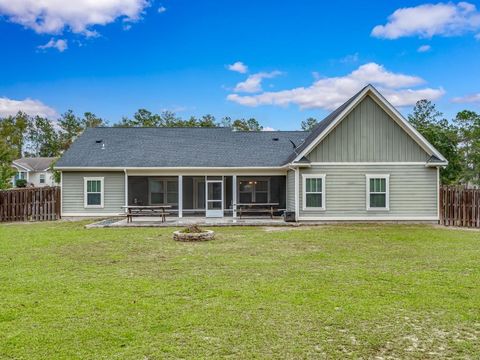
(268,128)
(239,67)
(352,58)
(253,83)
(472,98)
(60,44)
(427,20)
(424,48)
(28,106)
(329,93)
(162,9)
(53,16)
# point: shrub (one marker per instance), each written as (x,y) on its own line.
(21,183)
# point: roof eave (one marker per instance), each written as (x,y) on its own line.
(21,166)
(121,168)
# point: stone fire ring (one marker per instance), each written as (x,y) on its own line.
(203,236)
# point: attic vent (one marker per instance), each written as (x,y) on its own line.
(275,139)
(99,141)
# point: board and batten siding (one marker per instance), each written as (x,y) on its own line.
(368,134)
(73,193)
(291,190)
(413,192)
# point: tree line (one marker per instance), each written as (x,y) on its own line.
(23,135)
(36,136)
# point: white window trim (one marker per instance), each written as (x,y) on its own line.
(387,191)
(40,176)
(102,182)
(304,193)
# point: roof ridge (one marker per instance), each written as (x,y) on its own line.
(159,127)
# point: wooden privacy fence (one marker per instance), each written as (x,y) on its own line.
(36,204)
(459,206)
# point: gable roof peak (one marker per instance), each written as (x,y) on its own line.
(322,129)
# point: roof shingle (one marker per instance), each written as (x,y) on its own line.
(180,147)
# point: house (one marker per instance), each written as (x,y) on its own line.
(364,161)
(36,171)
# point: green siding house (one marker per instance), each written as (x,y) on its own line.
(363,162)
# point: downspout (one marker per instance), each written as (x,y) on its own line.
(61,194)
(297,190)
(126,189)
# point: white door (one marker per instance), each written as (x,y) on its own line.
(214,205)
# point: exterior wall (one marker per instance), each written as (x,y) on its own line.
(291,190)
(73,193)
(413,192)
(368,134)
(34,178)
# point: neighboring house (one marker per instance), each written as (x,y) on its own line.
(36,171)
(362,162)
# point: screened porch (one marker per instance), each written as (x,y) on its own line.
(209,196)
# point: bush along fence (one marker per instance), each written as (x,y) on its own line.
(459,206)
(30,204)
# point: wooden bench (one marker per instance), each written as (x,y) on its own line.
(263,208)
(146,211)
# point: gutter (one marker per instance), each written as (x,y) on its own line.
(121,168)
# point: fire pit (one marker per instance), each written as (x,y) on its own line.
(193,233)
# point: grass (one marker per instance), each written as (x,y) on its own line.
(357,291)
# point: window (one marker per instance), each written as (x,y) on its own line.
(378,192)
(163,191)
(253,191)
(93,192)
(313,192)
(42,178)
(21,175)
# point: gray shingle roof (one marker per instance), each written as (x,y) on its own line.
(180,147)
(35,164)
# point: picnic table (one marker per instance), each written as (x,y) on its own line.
(146,210)
(268,208)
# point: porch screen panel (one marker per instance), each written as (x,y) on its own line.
(172,192)
(261,191)
(246,192)
(157,192)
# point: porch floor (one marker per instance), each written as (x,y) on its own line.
(175,221)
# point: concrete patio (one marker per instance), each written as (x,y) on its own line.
(179,222)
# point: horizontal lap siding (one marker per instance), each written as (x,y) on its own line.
(413,191)
(73,192)
(291,190)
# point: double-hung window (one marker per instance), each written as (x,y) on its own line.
(313,192)
(378,187)
(42,178)
(93,192)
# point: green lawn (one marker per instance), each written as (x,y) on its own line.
(358,291)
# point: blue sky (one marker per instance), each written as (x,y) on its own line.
(303,58)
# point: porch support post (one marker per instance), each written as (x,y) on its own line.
(234,196)
(126,189)
(297,193)
(180,196)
